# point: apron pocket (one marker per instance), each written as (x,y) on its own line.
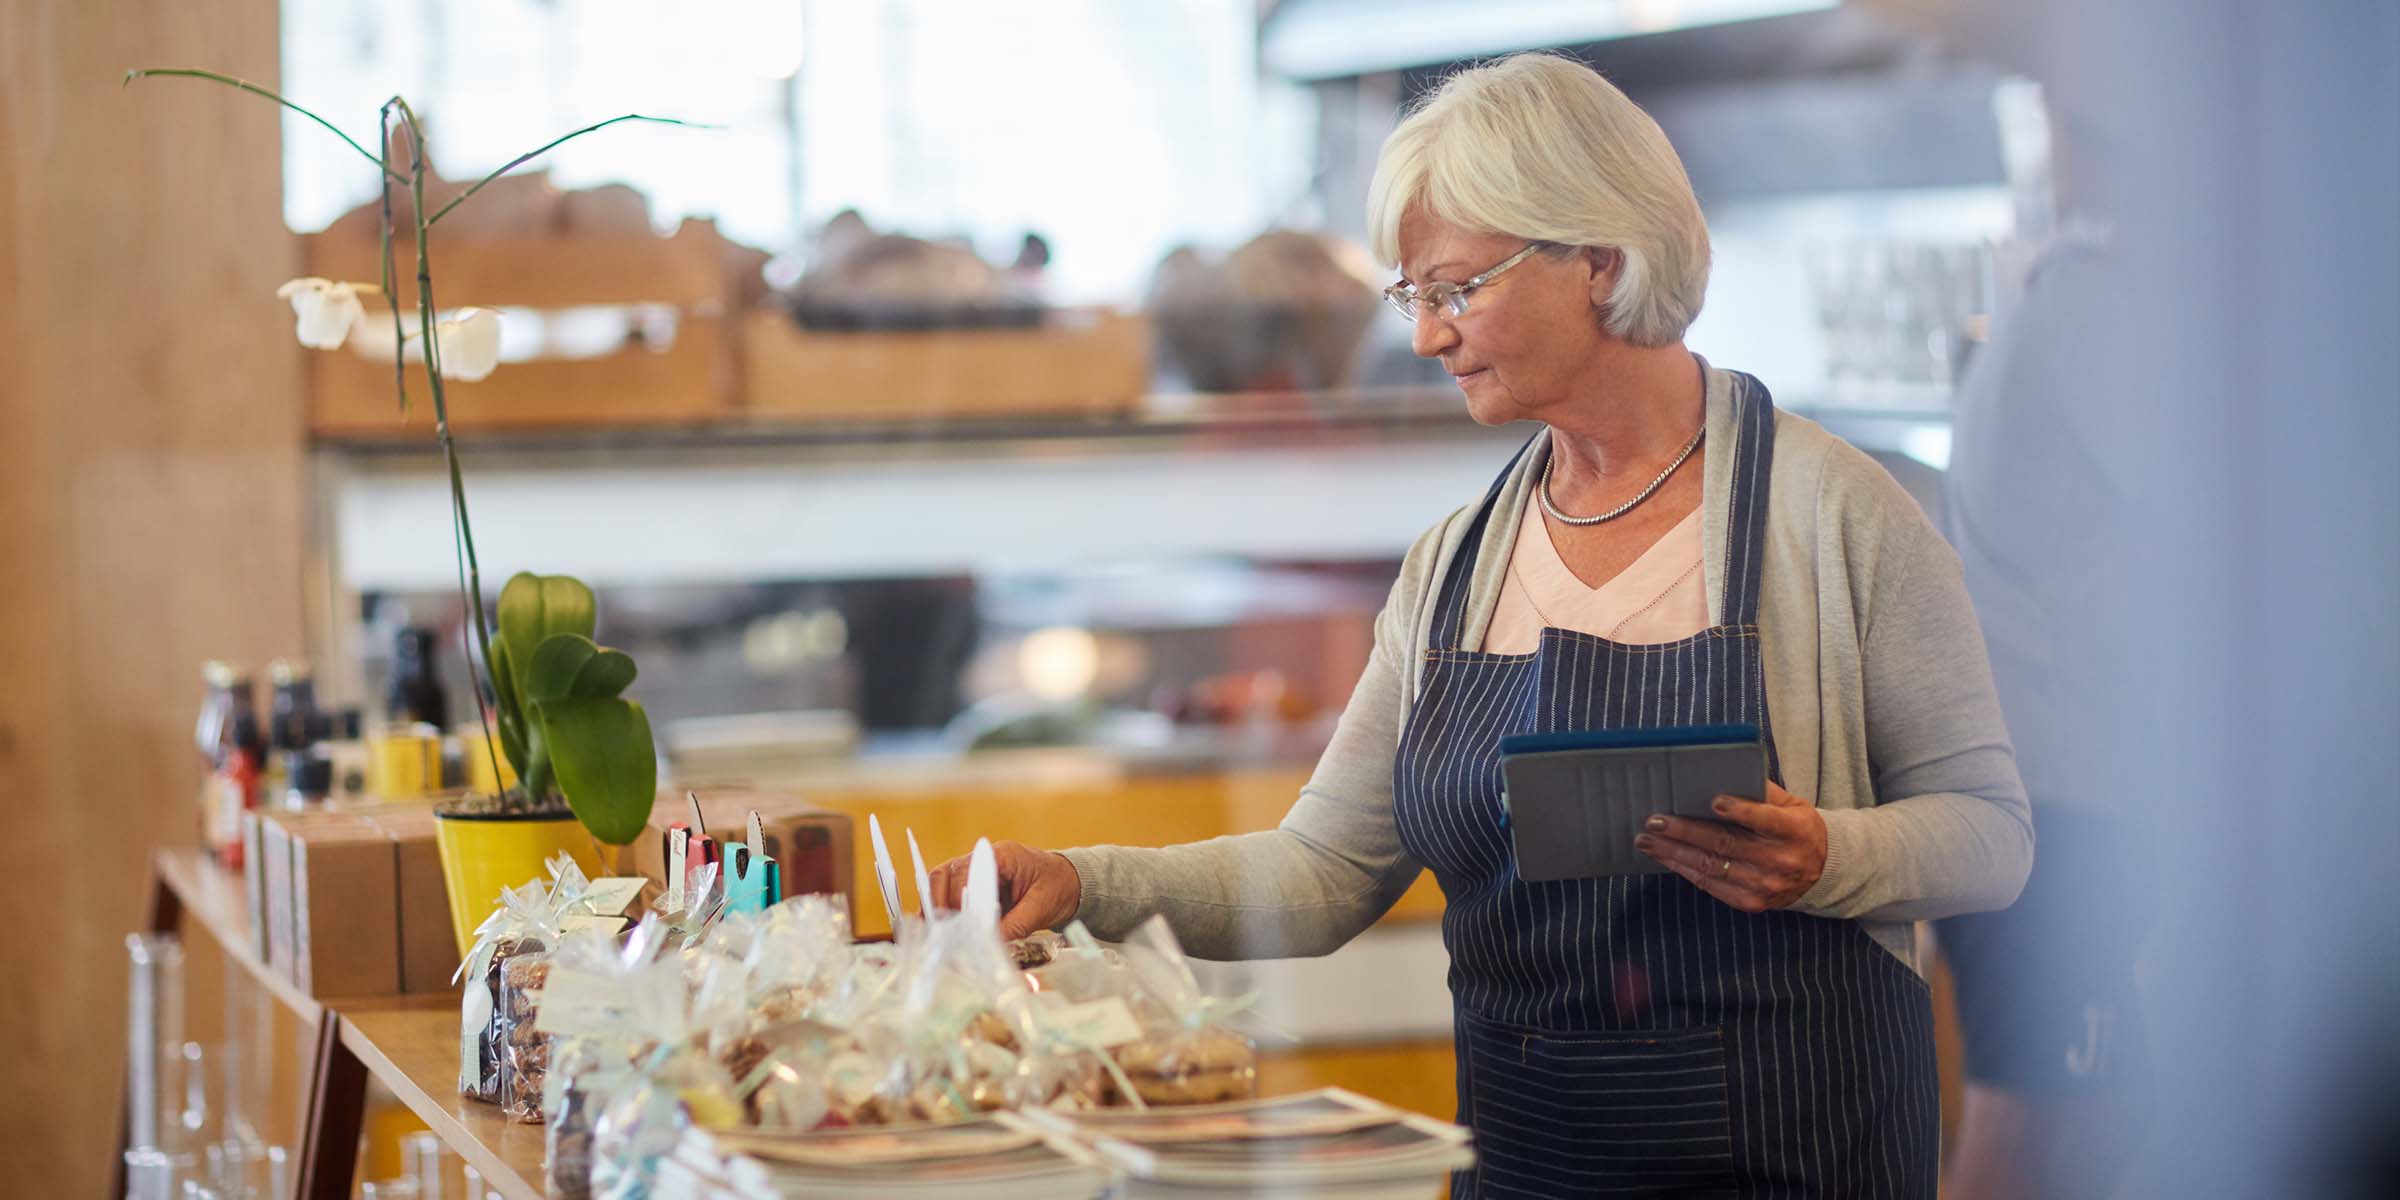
(1560,1114)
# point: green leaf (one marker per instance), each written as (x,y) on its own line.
(605,763)
(509,714)
(556,663)
(534,607)
(570,664)
(606,675)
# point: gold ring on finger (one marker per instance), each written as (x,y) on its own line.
(1724,869)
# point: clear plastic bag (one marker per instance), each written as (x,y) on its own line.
(606,1005)
(524,1050)
(798,953)
(676,1087)
(1190,1055)
(522,924)
(632,1130)
(526,921)
(584,1074)
(964,1023)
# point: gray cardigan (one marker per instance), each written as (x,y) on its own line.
(1878,692)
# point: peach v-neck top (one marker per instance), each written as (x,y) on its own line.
(1659,597)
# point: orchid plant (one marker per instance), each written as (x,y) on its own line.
(557,700)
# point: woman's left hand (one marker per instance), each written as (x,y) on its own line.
(1755,856)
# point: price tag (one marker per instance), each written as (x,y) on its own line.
(1105,1023)
(587,1004)
(612,895)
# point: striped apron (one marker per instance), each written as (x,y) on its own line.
(1633,1035)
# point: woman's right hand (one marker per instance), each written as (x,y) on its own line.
(1039,889)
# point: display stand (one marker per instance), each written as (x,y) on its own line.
(409,1043)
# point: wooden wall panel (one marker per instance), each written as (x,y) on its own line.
(150,412)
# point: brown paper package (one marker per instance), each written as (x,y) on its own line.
(428,952)
(345,907)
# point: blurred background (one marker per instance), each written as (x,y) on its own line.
(989,421)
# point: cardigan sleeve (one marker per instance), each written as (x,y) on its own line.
(1951,830)
(1331,869)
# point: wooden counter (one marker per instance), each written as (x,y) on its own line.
(409,1044)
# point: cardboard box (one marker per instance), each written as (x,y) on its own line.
(1077,362)
(345,907)
(254,879)
(277,830)
(428,952)
(811,845)
(351,901)
(696,272)
(275,863)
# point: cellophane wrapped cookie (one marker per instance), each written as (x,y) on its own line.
(526,922)
(608,1005)
(798,952)
(524,1050)
(584,1073)
(962,1020)
(1187,1053)
(676,1087)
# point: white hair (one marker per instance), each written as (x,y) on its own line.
(1541,147)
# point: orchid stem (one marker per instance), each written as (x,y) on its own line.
(471,572)
(256,90)
(522,159)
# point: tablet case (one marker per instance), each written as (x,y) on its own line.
(1576,800)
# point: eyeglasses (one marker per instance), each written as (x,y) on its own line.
(1449,298)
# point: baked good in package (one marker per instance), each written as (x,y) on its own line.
(778,1022)
(524,1050)
(1191,1066)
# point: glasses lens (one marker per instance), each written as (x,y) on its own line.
(1403,300)
(1454,302)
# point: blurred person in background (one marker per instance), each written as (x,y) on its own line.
(2057,1056)
(1668,550)
(2157,473)
(2056,1051)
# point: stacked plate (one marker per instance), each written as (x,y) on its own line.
(1323,1143)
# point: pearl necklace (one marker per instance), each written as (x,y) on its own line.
(1543,493)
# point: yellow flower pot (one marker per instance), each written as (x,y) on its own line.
(484,854)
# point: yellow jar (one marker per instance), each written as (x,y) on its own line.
(481,755)
(404,760)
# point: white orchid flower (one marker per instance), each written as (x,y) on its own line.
(469,340)
(327,309)
(470,343)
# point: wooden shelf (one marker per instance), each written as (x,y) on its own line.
(411,1044)
(1268,417)
(212,896)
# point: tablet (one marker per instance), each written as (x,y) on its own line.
(1576,799)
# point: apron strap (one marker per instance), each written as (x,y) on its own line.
(1746,519)
(1450,608)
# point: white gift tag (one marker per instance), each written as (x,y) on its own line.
(1106,1023)
(580,1003)
(983,885)
(916,858)
(678,853)
(887,879)
(474,1012)
(611,925)
(612,895)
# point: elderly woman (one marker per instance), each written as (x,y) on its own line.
(1668,550)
